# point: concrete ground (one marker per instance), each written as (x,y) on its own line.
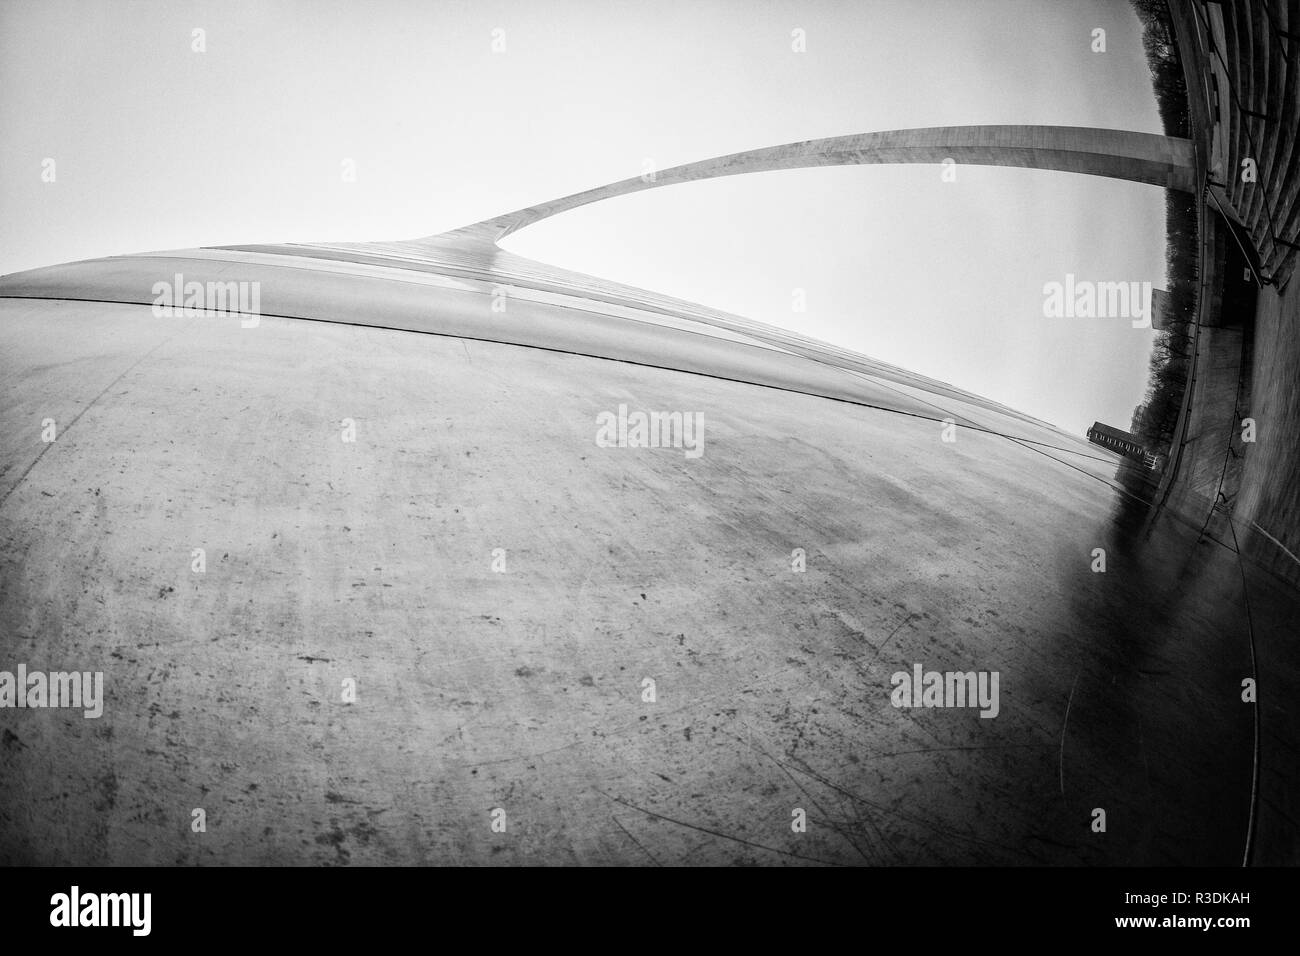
(521,690)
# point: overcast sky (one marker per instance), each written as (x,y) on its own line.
(158,146)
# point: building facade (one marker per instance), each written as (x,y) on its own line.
(1119,441)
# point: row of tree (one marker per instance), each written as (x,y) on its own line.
(1155,420)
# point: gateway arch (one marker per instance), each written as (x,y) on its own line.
(472,251)
(349,488)
(343,274)
(1119,154)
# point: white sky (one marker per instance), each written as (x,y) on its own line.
(161,147)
